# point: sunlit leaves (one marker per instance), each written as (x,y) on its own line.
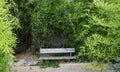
(102,33)
(7,38)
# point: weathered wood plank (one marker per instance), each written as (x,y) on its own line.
(57,50)
(57,58)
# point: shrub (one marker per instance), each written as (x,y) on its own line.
(50,19)
(93,26)
(23,11)
(7,38)
(45,64)
(101,32)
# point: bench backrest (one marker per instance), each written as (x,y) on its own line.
(57,50)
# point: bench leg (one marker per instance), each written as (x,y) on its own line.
(70,56)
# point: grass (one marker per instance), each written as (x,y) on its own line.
(51,63)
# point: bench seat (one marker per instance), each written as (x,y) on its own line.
(57,58)
(51,51)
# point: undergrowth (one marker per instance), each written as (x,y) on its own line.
(49,63)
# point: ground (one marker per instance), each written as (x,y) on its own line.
(67,67)
(64,67)
(26,55)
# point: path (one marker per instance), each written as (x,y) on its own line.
(69,67)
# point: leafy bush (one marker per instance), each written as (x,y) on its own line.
(7,38)
(101,31)
(50,19)
(46,64)
(23,11)
(36,52)
(93,26)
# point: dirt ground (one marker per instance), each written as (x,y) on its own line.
(64,67)
(26,55)
(68,67)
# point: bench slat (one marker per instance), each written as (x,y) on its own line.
(57,50)
(57,58)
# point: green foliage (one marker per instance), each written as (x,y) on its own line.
(49,19)
(46,64)
(101,33)
(23,11)
(36,52)
(7,38)
(93,26)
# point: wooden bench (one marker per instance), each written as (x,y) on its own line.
(56,50)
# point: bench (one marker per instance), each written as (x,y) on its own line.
(58,51)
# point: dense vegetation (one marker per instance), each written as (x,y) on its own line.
(102,31)
(100,36)
(7,38)
(23,11)
(50,19)
(91,26)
